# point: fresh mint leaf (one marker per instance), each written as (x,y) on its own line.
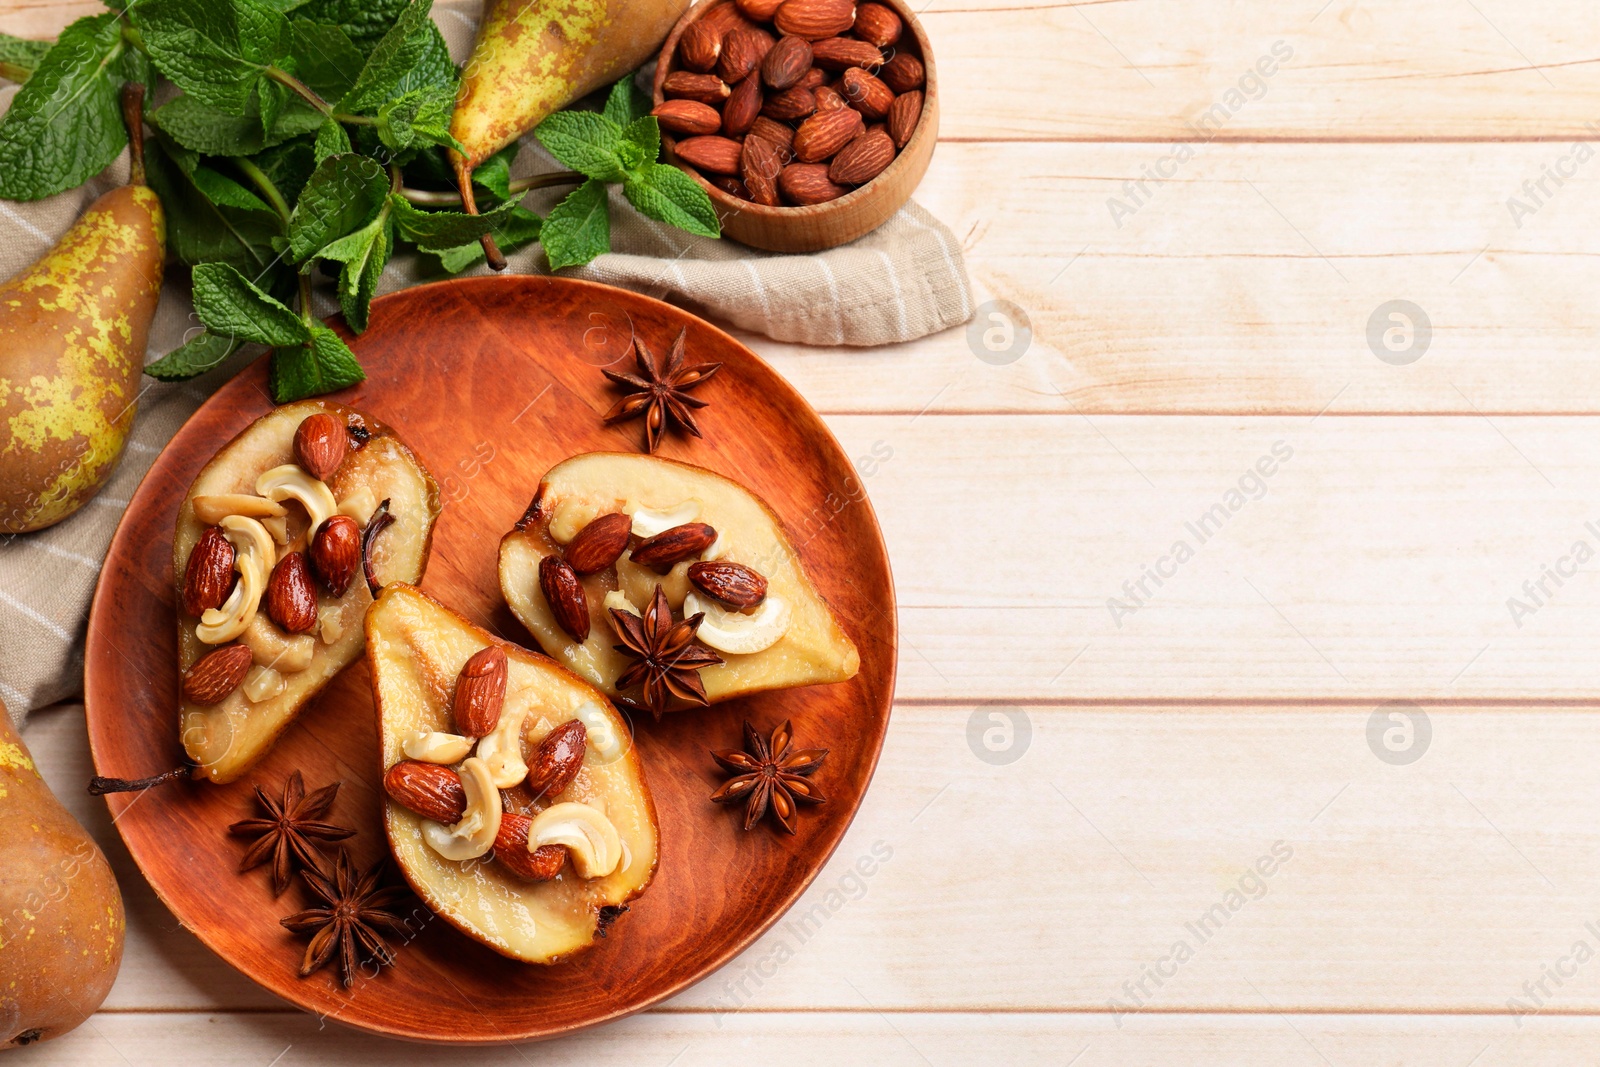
(519,228)
(324,58)
(435,231)
(201,231)
(320,365)
(626,104)
(271,98)
(494,173)
(65,124)
(215,50)
(331,141)
(433,66)
(134,66)
(579,228)
(408,44)
(194,357)
(668,195)
(20,58)
(229,304)
(224,192)
(288,166)
(215,132)
(363,21)
(343,195)
(641,142)
(421,116)
(363,255)
(584,141)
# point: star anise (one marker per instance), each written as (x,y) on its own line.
(660,392)
(669,661)
(769,776)
(291,831)
(348,927)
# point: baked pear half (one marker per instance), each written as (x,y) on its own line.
(667,585)
(280,545)
(516,805)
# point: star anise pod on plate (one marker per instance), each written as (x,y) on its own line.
(347,926)
(769,777)
(292,832)
(660,392)
(668,661)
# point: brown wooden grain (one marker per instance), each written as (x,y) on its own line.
(492,381)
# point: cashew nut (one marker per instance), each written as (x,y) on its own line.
(289,480)
(474,835)
(221,625)
(591,840)
(432,746)
(737,633)
(648,523)
(501,748)
(214,507)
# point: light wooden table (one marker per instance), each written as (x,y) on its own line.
(1237,712)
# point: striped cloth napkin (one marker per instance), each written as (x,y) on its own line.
(905,280)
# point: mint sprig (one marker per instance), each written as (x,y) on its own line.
(311,138)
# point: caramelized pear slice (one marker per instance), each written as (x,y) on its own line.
(659,493)
(225,739)
(416,647)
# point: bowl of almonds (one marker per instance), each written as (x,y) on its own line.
(809,122)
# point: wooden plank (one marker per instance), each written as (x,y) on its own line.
(1164,70)
(825,1039)
(1056,881)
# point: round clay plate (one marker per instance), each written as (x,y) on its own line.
(492,381)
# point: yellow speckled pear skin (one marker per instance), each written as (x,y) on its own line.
(534,57)
(61,920)
(72,338)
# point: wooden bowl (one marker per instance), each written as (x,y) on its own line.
(492,381)
(819,226)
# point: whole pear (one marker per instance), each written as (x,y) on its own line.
(61,921)
(533,57)
(72,339)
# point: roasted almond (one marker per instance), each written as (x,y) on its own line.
(903,116)
(814,77)
(786,63)
(713,154)
(867,94)
(792,103)
(903,73)
(480,692)
(731,186)
(216,674)
(807,183)
(687,85)
(511,850)
(290,599)
(699,47)
(557,760)
(760,10)
(777,134)
(829,98)
(320,444)
(431,790)
(208,578)
(863,159)
(841,53)
(815,19)
(675,545)
(687,118)
(564,593)
(598,544)
(743,107)
(733,584)
(878,24)
(725,18)
(336,553)
(742,53)
(761,163)
(824,133)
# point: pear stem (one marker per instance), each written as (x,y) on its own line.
(518,186)
(133,118)
(99,786)
(491,251)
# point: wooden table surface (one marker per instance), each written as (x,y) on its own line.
(1340,678)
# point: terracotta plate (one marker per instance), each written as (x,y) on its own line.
(492,381)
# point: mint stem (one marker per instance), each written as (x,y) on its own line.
(518,186)
(305,300)
(300,88)
(264,183)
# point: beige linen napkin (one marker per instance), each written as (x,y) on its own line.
(903,281)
